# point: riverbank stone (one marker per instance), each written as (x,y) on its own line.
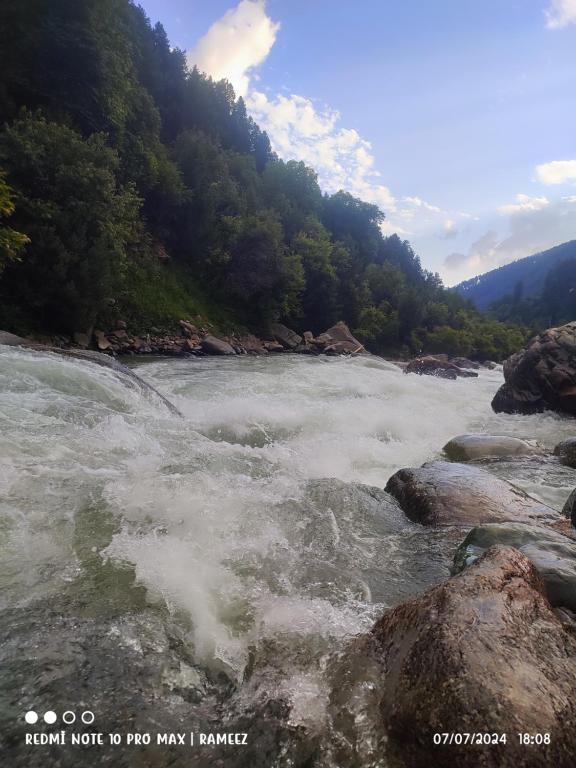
(542,376)
(482,653)
(552,553)
(478,446)
(566,452)
(444,493)
(213,346)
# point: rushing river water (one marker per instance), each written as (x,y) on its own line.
(255,526)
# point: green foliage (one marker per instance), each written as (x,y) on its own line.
(116,154)
(81,224)
(12,243)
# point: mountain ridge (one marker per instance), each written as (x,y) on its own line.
(529,271)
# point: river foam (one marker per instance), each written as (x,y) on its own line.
(248,517)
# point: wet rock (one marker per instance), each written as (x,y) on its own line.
(490,364)
(435,366)
(482,653)
(443,493)
(569,509)
(464,362)
(338,340)
(566,452)
(542,375)
(552,553)
(134,672)
(285,336)
(213,346)
(468,447)
(308,337)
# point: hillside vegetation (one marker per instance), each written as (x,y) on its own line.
(132,187)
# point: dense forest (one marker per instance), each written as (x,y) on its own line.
(525,276)
(131,186)
(554,304)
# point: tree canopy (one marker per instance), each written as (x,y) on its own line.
(124,172)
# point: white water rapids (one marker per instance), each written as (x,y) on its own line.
(244,516)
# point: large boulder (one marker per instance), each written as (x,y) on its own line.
(469,447)
(285,336)
(431,365)
(566,452)
(552,553)
(542,375)
(483,653)
(444,493)
(213,346)
(338,340)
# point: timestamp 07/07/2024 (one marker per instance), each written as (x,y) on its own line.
(486,739)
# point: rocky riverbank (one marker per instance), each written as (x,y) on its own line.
(198,340)
(490,654)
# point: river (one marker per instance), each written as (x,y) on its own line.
(248,521)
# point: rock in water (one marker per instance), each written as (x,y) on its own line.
(468,447)
(443,493)
(464,362)
(552,553)
(566,452)
(285,336)
(483,653)
(436,366)
(542,375)
(214,346)
(569,509)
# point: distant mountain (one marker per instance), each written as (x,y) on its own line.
(530,272)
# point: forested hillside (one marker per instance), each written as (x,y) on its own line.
(522,279)
(133,187)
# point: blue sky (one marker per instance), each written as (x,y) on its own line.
(457,116)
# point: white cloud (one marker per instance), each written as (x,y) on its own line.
(449,229)
(531,230)
(560,14)
(556,172)
(417,202)
(524,203)
(300,130)
(236,44)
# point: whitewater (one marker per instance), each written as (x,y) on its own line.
(254,519)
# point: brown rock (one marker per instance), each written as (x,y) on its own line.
(308,337)
(101,341)
(213,346)
(542,375)
(273,346)
(285,336)
(444,493)
(338,340)
(482,653)
(188,329)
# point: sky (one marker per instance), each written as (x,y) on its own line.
(457,117)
